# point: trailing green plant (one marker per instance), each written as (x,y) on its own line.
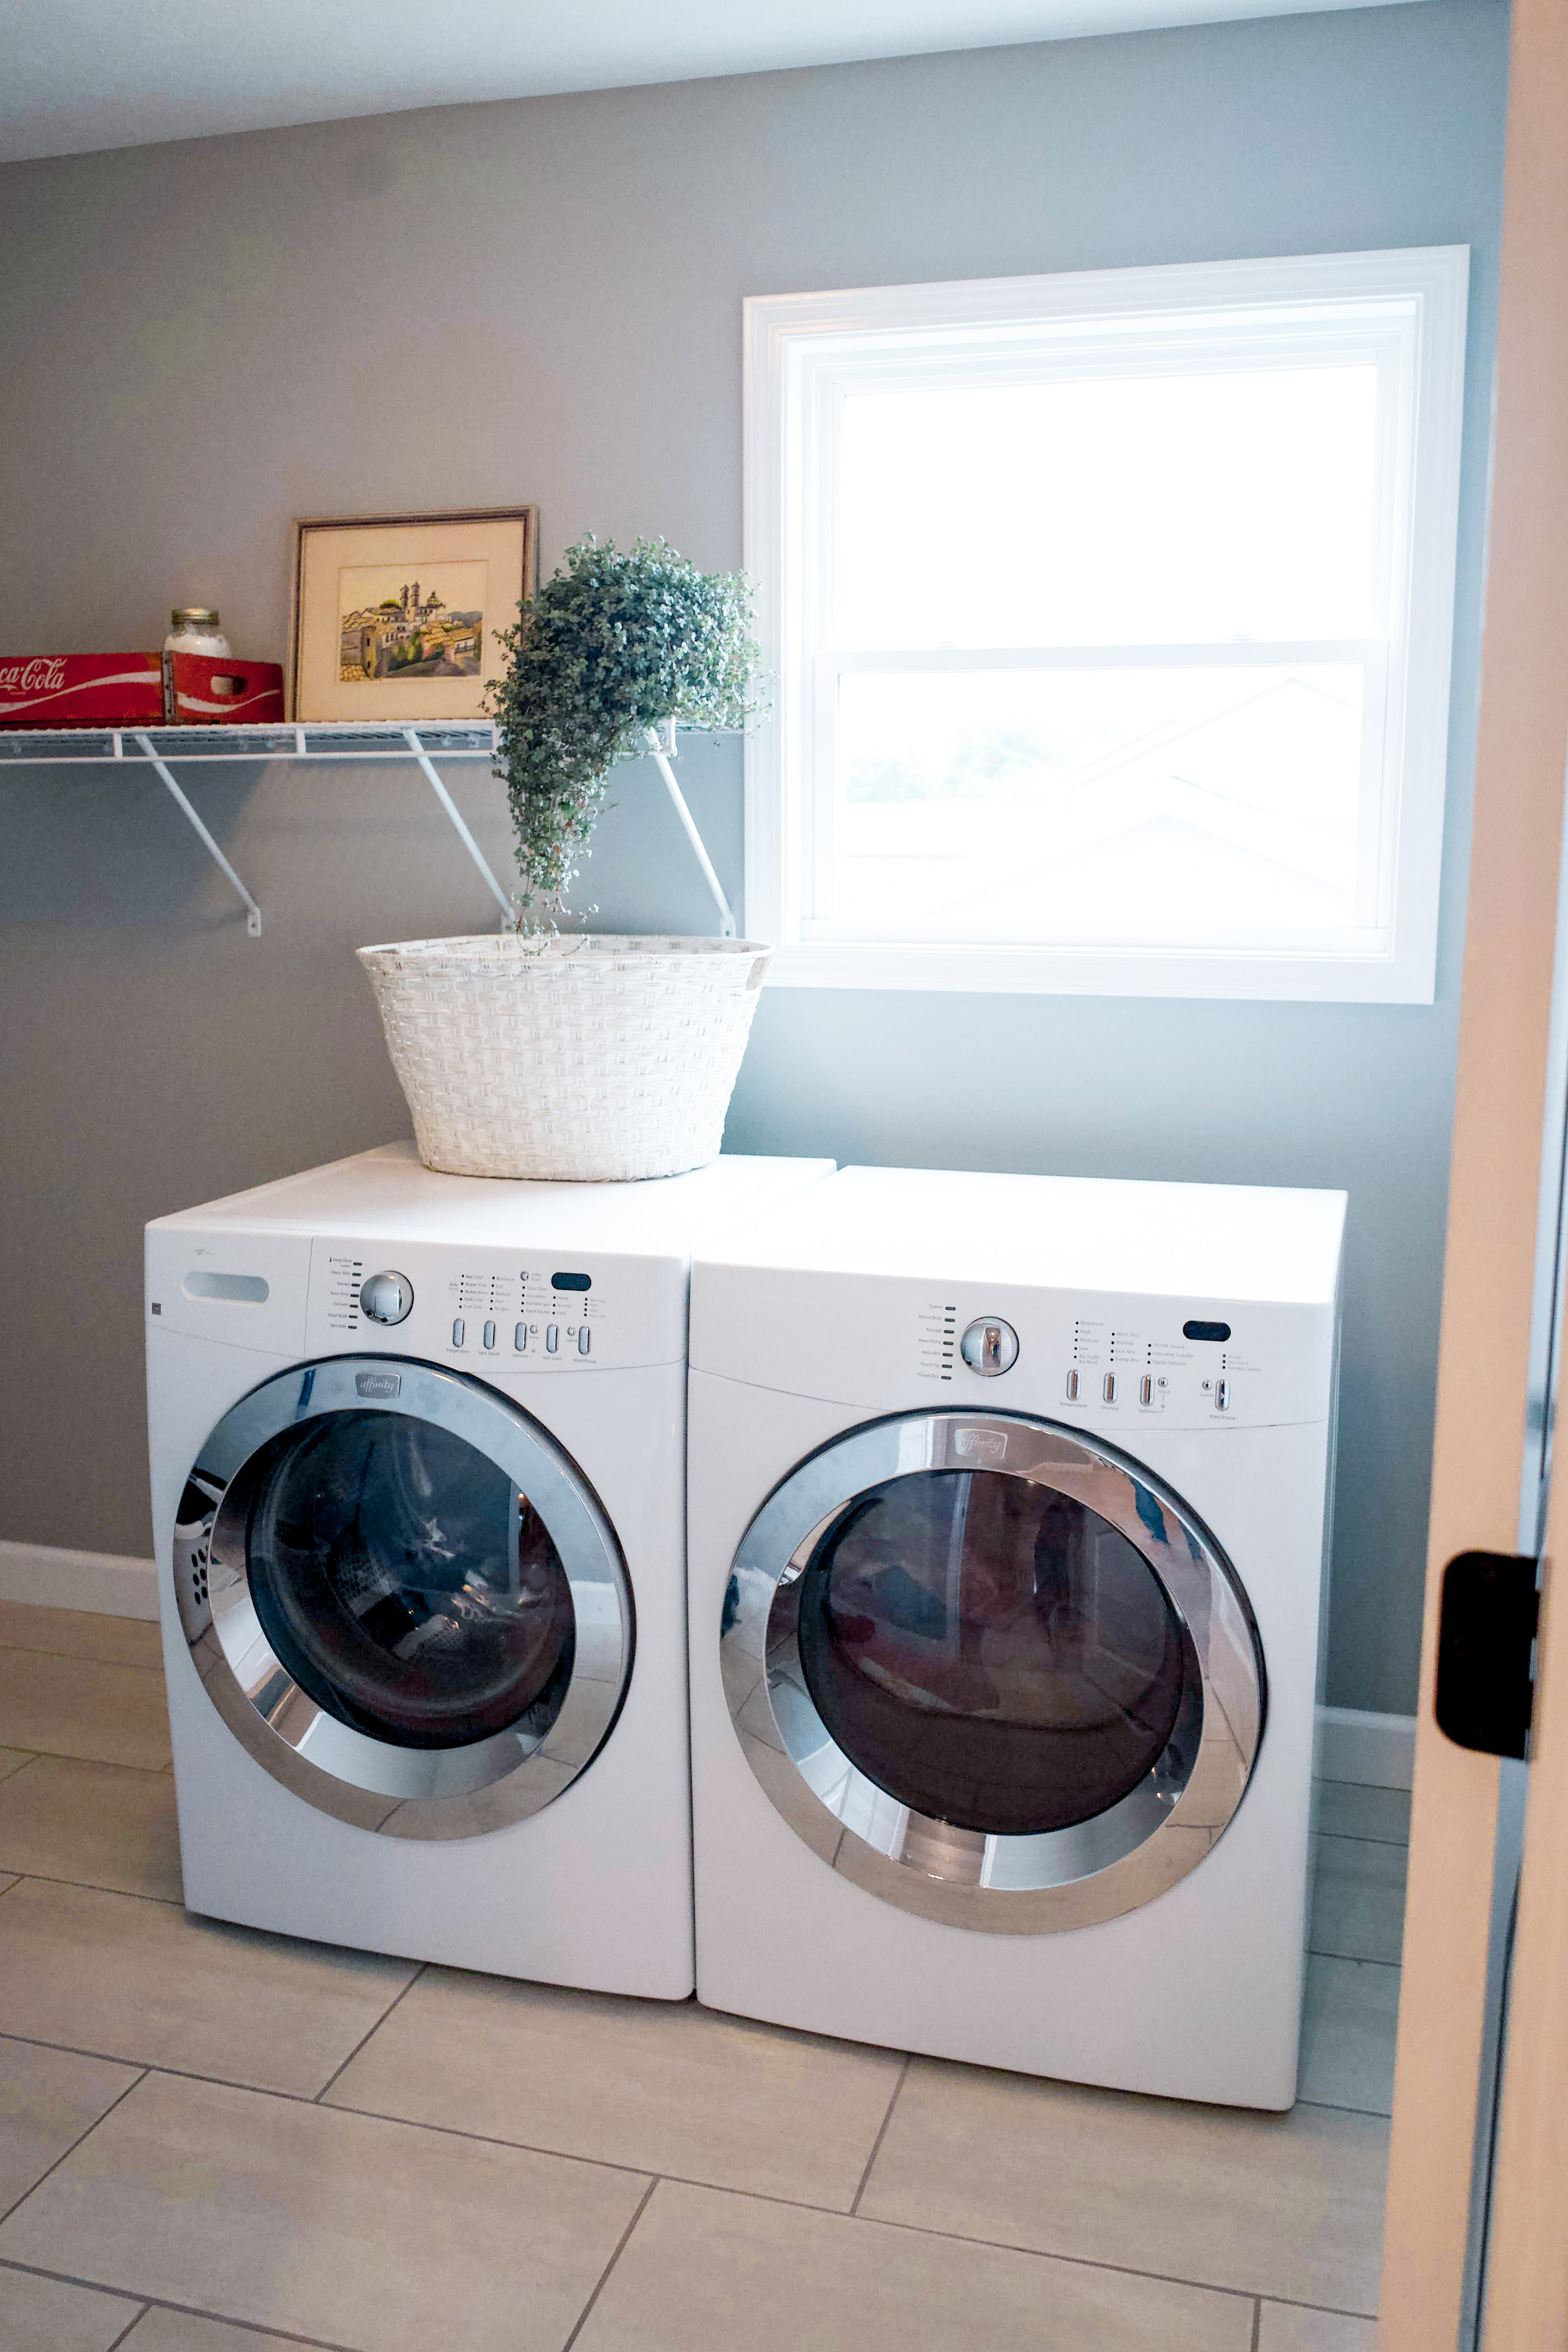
(614,644)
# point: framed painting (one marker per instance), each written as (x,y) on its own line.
(397,616)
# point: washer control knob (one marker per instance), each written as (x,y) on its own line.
(989,1346)
(386,1297)
(551,1338)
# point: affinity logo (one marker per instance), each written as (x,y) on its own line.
(378,1384)
(981,1444)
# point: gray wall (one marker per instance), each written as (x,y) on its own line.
(540,301)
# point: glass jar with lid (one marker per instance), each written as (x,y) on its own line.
(196,630)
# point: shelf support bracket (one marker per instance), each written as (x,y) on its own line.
(411,736)
(161,768)
(661,758)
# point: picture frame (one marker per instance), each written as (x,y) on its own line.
(397,616)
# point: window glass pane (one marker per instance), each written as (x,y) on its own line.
(991,1653)
(406,1584)
(1152,806)
(1145,509)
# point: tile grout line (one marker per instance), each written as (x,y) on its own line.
(16,2203)
(881,2135)
(610,2163)
(1257,2323)
(683,2180)
(603,2279)
(58,1756)
(1356,1837)
(1336,2107)
(135,2320)
(73,1756)
(77,1657)
(131,1894)
(420,1967)
(164,2303)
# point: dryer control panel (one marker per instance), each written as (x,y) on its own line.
(1107,1360)
(486,1312)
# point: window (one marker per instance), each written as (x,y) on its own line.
(1110,618)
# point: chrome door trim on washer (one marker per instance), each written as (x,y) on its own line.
(1061,1878)
(403,1791)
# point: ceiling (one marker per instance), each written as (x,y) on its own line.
(84,74)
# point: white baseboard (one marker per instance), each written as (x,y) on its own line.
(105,1582)
(1378,1751)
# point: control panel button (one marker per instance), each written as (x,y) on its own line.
(520,1338)
(989,1346)
(1222,1396)
(582,1342)
(1108,1388)
(552,1339)
(1072,1385)
(386,1297)
(459,1330)
(1146,1389)
(490,1334)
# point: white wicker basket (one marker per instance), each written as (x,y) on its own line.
(592,1058)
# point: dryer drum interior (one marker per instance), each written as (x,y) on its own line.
(1014,1673)
(407,1603)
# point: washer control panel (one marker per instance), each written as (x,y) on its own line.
(485,1312)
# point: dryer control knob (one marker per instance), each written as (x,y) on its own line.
(989,1346)
(386,1297)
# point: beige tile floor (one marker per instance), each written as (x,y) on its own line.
(214,2141)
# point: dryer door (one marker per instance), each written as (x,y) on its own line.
(997,1675)
(402,1596)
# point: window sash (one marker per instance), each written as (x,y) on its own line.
(1373,888)
(1402,311)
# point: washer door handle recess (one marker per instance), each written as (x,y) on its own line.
(989,1346)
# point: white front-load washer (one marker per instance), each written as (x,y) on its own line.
(417,1452)
(1006,1524)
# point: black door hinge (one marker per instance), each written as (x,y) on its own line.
(1486,1651)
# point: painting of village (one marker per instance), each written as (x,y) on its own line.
(395,626)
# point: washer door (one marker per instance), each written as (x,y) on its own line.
(403,1597)
(994,1675)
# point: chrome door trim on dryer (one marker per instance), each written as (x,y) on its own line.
(1072,1876)
(404,1790)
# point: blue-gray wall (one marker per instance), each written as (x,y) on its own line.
(540,301)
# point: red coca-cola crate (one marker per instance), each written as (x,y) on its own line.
(213,690)
(81,690)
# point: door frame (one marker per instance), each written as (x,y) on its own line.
(1482,1473)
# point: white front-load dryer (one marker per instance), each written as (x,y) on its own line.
(1006,1525)
(417,1452)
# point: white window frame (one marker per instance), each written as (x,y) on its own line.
(800,349)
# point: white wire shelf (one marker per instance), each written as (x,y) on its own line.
(451,739)
(163,749)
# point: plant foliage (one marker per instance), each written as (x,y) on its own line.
(610,646)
